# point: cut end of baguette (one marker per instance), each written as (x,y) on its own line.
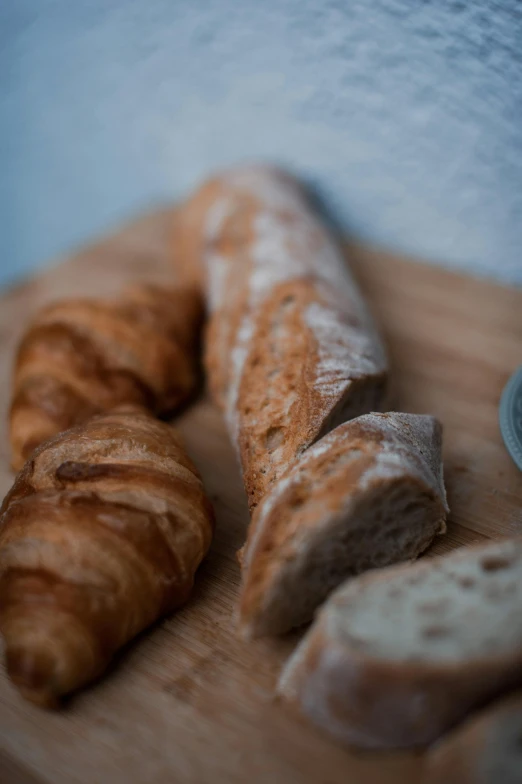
(422,611)
(396,658)
(387,524)
(359,499)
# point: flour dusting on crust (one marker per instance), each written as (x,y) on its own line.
(345,352)
(289,243)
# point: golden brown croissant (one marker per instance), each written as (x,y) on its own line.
(100,535)
(81,357)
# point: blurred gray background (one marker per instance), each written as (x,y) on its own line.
(406,115)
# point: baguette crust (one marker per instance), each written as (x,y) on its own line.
(381,702)
(486,749)
(360,471)
(291,349)
(81,357)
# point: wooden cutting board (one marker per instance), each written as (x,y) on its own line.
(188,701)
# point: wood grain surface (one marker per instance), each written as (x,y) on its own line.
(188,701)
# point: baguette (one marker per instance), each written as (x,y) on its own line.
(291,350)
(397,657)
(368,494)
(486,749)
(81,357)
(100,535)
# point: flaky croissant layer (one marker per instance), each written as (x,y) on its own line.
(82,357)
(100,535)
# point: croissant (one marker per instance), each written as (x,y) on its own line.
(100,535)
(82,357)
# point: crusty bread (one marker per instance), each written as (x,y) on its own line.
(397,657)
(486,749)
(291,350)
(368,494)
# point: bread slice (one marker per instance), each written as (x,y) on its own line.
(368,494)
(397,657)
(486,749)
(291,349)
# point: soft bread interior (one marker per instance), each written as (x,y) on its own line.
(462,607)
(393,521)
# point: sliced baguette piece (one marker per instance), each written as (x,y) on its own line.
(368,494)
(486,749)
(398,656)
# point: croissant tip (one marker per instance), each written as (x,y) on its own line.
(32,672)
